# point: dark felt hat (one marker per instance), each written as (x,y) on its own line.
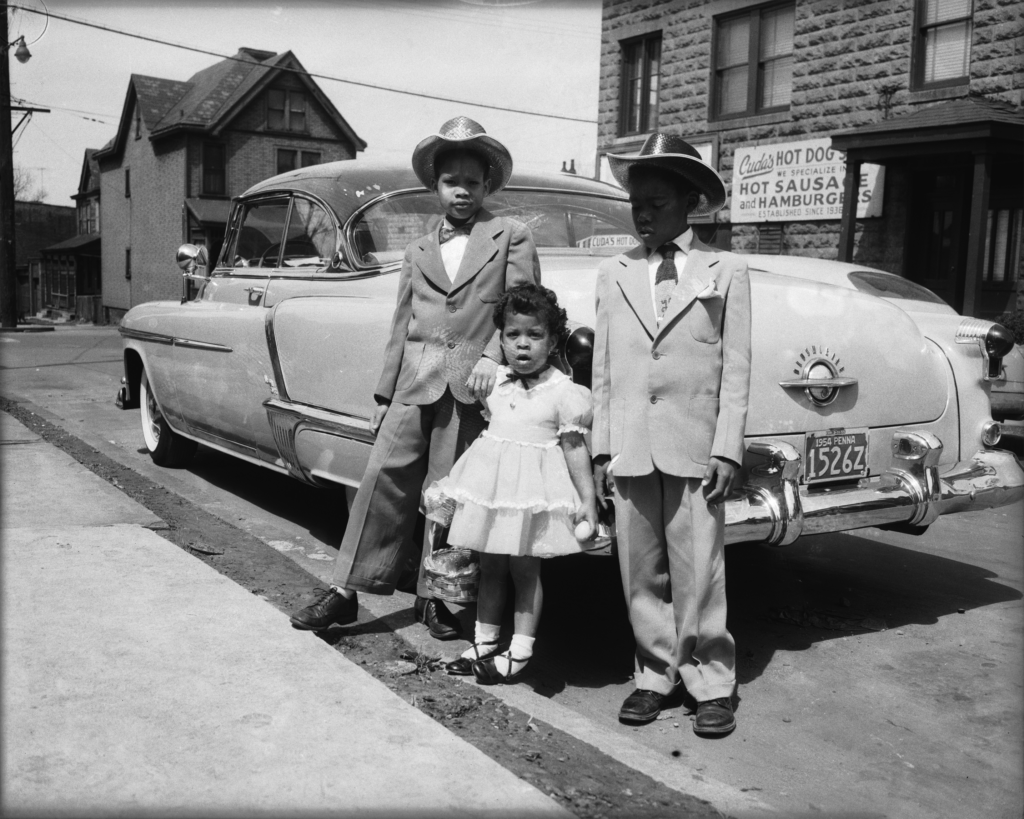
(465,134)
(676,155)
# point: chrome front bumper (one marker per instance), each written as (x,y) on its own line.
(773,508)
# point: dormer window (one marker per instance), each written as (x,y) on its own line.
(286,110)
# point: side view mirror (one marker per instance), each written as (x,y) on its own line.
(190,257)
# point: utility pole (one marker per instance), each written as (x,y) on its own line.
(8,282)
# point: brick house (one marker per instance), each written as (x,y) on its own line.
(183,149)
(885,132)
(71,269)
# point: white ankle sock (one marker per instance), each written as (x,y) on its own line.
(483,633)
(521,649)
(348,595)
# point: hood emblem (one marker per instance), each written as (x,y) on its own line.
(820,376)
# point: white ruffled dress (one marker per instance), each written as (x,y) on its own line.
(510,493)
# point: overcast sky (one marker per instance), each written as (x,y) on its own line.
(538,56)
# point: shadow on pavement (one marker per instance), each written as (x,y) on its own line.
(784,599)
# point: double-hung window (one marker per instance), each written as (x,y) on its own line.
(286,110)
(288,159)
(641,73)
(753,62)
(942,49)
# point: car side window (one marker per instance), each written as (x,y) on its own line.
(311,237)
(257,242)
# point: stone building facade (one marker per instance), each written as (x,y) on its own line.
(183,149)
(749,83)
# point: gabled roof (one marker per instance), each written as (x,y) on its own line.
(90,173)
(211,98)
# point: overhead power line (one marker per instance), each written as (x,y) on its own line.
(248,61)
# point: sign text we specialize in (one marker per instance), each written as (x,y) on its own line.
(795,181)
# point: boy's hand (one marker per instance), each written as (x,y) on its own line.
(720,476)
(481,380)
(378,417)
(604,486)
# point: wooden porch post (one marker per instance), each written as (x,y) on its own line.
(977,227)
(848,225)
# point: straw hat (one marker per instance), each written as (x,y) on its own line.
(464,133)
(676,155)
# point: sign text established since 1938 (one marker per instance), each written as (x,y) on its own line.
(798,181)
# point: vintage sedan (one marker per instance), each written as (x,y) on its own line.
(870,397)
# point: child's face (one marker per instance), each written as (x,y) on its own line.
(527,342)
(660,209)
(461,185)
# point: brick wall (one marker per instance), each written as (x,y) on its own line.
(852,59)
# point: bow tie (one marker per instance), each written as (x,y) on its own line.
(522,378)
(448,232)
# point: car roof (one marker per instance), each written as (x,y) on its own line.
(351,183)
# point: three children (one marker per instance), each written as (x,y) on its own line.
(670,380)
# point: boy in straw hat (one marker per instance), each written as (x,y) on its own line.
(670,384)
(441,358)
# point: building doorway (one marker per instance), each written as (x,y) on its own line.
(936,253)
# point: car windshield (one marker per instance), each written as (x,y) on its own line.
(573,223)
(889,286)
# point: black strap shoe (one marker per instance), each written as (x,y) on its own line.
(714,717)
(440,622)
(328,609)
(641,707)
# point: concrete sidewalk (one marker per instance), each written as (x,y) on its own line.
(138,680)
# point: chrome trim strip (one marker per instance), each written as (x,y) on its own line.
(163,338)
(802,383)
(142,335)
(201,345)
(275,357)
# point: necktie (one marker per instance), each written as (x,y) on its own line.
(666,277)
(447,232)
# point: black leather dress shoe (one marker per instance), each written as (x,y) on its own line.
(642,706)
(329,608)
(441,623)
(714,717)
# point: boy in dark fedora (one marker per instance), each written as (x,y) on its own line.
(670,384)
(440,360)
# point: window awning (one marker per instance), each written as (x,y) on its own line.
(78,243)
(209,211)
(965,125)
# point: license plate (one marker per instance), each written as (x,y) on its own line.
(835,455)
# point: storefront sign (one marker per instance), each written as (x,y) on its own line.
(798,182)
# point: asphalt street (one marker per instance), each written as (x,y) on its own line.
(880,674)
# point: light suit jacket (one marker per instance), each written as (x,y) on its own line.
(670,397)
(440,330)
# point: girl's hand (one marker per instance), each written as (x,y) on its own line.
(481,380)
(587,511)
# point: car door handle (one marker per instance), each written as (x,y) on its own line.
(255,291)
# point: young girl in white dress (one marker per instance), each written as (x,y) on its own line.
(523,489)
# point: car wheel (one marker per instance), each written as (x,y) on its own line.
(166,447)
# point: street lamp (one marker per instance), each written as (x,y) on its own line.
(21,54)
